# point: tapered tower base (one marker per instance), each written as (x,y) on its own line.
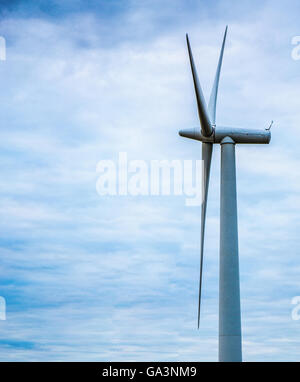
(230,341)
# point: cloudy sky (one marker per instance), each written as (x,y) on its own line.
(94,278)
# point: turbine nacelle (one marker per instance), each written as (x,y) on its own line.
(236,134)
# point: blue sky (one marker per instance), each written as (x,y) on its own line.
(116,278)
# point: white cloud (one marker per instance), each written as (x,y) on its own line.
(90,278)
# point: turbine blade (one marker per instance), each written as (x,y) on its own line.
(206,128)
(206,157)
(214,92)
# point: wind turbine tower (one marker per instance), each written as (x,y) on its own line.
(230,337)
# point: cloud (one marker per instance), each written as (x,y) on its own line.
(93,278)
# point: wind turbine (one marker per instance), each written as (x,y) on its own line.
(230,341)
